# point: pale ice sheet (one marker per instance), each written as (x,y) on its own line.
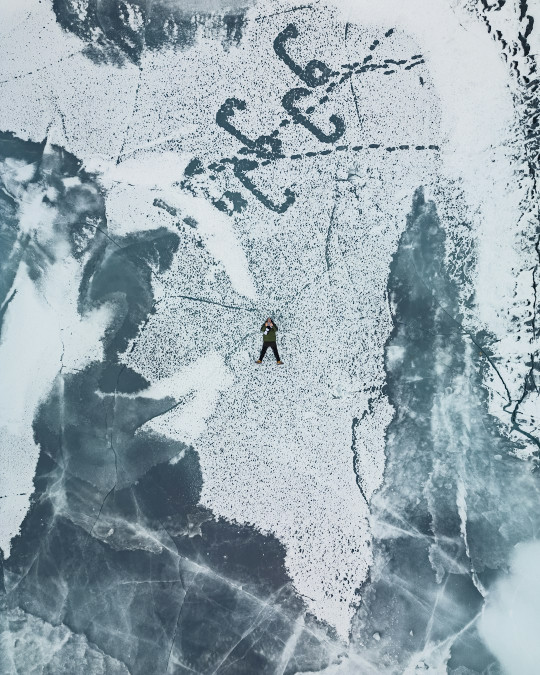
(42,335)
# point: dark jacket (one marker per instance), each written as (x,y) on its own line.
(271,335)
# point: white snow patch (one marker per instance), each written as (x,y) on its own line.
(394,355)
(510,623)
(197,387)
(135,184)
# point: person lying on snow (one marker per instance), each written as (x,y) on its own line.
(269,330)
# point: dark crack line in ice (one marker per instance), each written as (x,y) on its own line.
(148,581)
(210,302)
(329,232)
(54,99)
(356,104)
(111,445)
(173,638)
(134,110)
(353,92)
(249,630)
(187,297)
(186,589)
(285,11)
(38,70)
(63,351)
(241,658)
(105,234)
(355,423)
(91,533)
(208,571)
(265,606)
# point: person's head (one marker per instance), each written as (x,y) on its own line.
(269,320)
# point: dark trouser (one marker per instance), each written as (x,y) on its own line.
(265,347)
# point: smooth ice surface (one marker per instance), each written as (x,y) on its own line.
(170,175)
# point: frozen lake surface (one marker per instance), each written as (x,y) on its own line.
(171,174)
